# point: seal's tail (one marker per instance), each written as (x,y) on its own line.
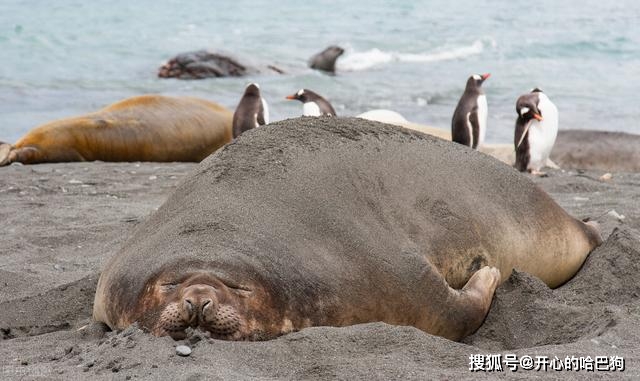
(595,232)
(5,150)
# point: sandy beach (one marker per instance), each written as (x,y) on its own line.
(61,222)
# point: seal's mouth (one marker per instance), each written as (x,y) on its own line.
(199,305)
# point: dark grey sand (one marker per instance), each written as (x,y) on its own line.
(600,150)
(62,221)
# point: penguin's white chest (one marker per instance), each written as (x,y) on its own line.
(265,110)
(310,109)
(542,134)
(483,112)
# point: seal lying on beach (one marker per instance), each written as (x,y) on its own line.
(143,128)
(337,221)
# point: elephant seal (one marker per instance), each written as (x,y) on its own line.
(334,222)
(326,59)
(143,128)
(205,64)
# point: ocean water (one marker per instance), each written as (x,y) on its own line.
(69,57)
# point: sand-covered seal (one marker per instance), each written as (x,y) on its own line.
(337,221)
(143,128)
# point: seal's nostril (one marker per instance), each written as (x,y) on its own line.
(188,304)
(206,304)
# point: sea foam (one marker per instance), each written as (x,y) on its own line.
(356,61)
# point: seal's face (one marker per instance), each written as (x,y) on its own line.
(200,301)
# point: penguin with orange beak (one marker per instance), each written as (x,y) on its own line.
(469,122)
(536,131)
(313,104)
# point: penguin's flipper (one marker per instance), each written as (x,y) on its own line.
(521,133)
(326,108)
(5,150)
(473,122)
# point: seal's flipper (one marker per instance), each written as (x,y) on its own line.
(594,231)
(462,312)
(5,149)
(25,155)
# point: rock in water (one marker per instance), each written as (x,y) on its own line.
(204,64)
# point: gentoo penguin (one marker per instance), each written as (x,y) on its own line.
(313,104)
(469,122)
(252,111)
(536,131)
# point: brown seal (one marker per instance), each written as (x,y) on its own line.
(334,222)
(326,59)
(143,128)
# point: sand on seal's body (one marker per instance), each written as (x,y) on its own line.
(58,235)
(311,222)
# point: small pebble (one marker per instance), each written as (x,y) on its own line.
(615,214)
(606,177)
(74,181)
(153,177)
(183,350)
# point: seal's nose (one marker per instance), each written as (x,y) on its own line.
(198,301)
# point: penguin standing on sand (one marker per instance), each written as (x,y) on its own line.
(536,131)
(312,103)
(469,122)
(252,111)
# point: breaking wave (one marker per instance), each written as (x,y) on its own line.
(355,61)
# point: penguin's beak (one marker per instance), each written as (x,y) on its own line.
(537,116)
(290,97)
(485,76)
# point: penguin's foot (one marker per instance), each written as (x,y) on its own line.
(535,172)
(5,150)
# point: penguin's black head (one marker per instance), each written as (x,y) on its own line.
(527,107)
(303,95)
(252,89)
(536,90)
(476,80)
(300,95)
